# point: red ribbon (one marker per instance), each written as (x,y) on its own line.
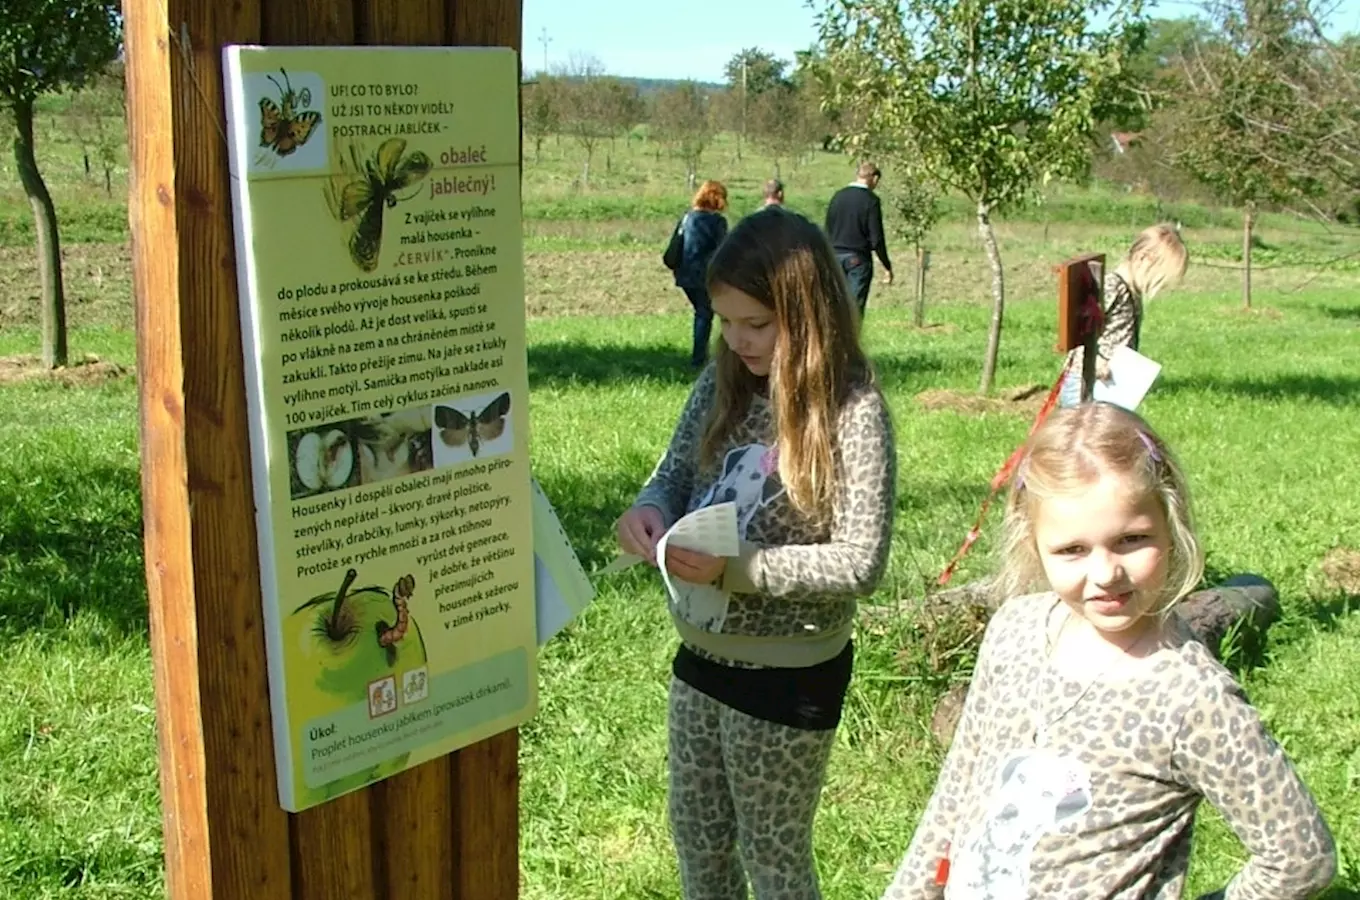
(1092,318)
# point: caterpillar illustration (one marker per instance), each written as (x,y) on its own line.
(401,592)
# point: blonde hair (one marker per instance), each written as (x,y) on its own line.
(711,196)
(1072,449)
(1156,261)
(784,261)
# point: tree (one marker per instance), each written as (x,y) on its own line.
(914,204)
(750,73)
(1253,123)
(995,97)
(682,119)
(784,124)
(48,46)
(542,110)
(587,104)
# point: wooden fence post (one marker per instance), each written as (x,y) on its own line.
(1080,283)
(447,830)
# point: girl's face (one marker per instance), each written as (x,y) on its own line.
(748,326)
(1105,552)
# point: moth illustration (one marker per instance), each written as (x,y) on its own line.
(287,124)
(365,188)
(457,428)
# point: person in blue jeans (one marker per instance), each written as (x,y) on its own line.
(703,229)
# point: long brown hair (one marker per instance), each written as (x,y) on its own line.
(783,260)
(1069,452)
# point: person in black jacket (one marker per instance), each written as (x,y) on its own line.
(854,224)
(703,229)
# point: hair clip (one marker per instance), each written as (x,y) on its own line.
(1150,445)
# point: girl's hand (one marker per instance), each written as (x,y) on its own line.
(694,567)
(1102,369)
(639,530)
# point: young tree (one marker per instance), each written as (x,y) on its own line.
(587,104)
(914,206)
(48,46)
(542,110)
(996,96)
(750,73)
(682,119)
(1253,122)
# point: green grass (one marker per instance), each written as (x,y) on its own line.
(1263,408)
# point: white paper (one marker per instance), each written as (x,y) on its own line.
(562,589)
(711,530)
(1131,377)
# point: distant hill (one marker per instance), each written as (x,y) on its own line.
(647,86)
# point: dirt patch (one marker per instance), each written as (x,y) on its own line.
(89,371)
(1341,566)
(1022,401)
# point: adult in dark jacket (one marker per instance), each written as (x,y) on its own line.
(703,228)
(854,224)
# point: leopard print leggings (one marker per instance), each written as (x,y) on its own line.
(743,795)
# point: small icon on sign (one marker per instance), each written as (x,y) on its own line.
(382,697)
(415,685)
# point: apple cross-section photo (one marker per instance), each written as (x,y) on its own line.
(355,452)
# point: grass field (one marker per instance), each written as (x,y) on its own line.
(1263,407)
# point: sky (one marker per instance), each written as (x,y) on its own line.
(696,38)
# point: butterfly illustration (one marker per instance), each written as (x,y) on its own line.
(458,428)
(364,187)
(287,124)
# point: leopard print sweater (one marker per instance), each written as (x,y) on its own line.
(1122,325)
(1106,808)
(791,594)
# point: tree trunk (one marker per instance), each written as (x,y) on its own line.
(922,262)
(1248,224)
(49,247)
(998,296)
(585,172)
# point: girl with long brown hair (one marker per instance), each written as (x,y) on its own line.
(787,424)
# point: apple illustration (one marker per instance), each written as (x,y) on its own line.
(342,642)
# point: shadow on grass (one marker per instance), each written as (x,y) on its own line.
(1340,893)
(567,363)
(588,506)
(71,543)
(1341,312)
(1330,611)
(1342,391)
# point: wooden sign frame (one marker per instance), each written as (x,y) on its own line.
(1080,280)
(447,830)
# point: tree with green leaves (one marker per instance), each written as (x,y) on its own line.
(49,46)
(541,102)
(1253,121)
(995,97)
(682,120)
(914,210)
(751,72)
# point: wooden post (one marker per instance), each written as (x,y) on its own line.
(447,830)
(1080,283)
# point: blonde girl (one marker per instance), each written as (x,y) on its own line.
(788,425)
(1156,261)
(1095,725)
